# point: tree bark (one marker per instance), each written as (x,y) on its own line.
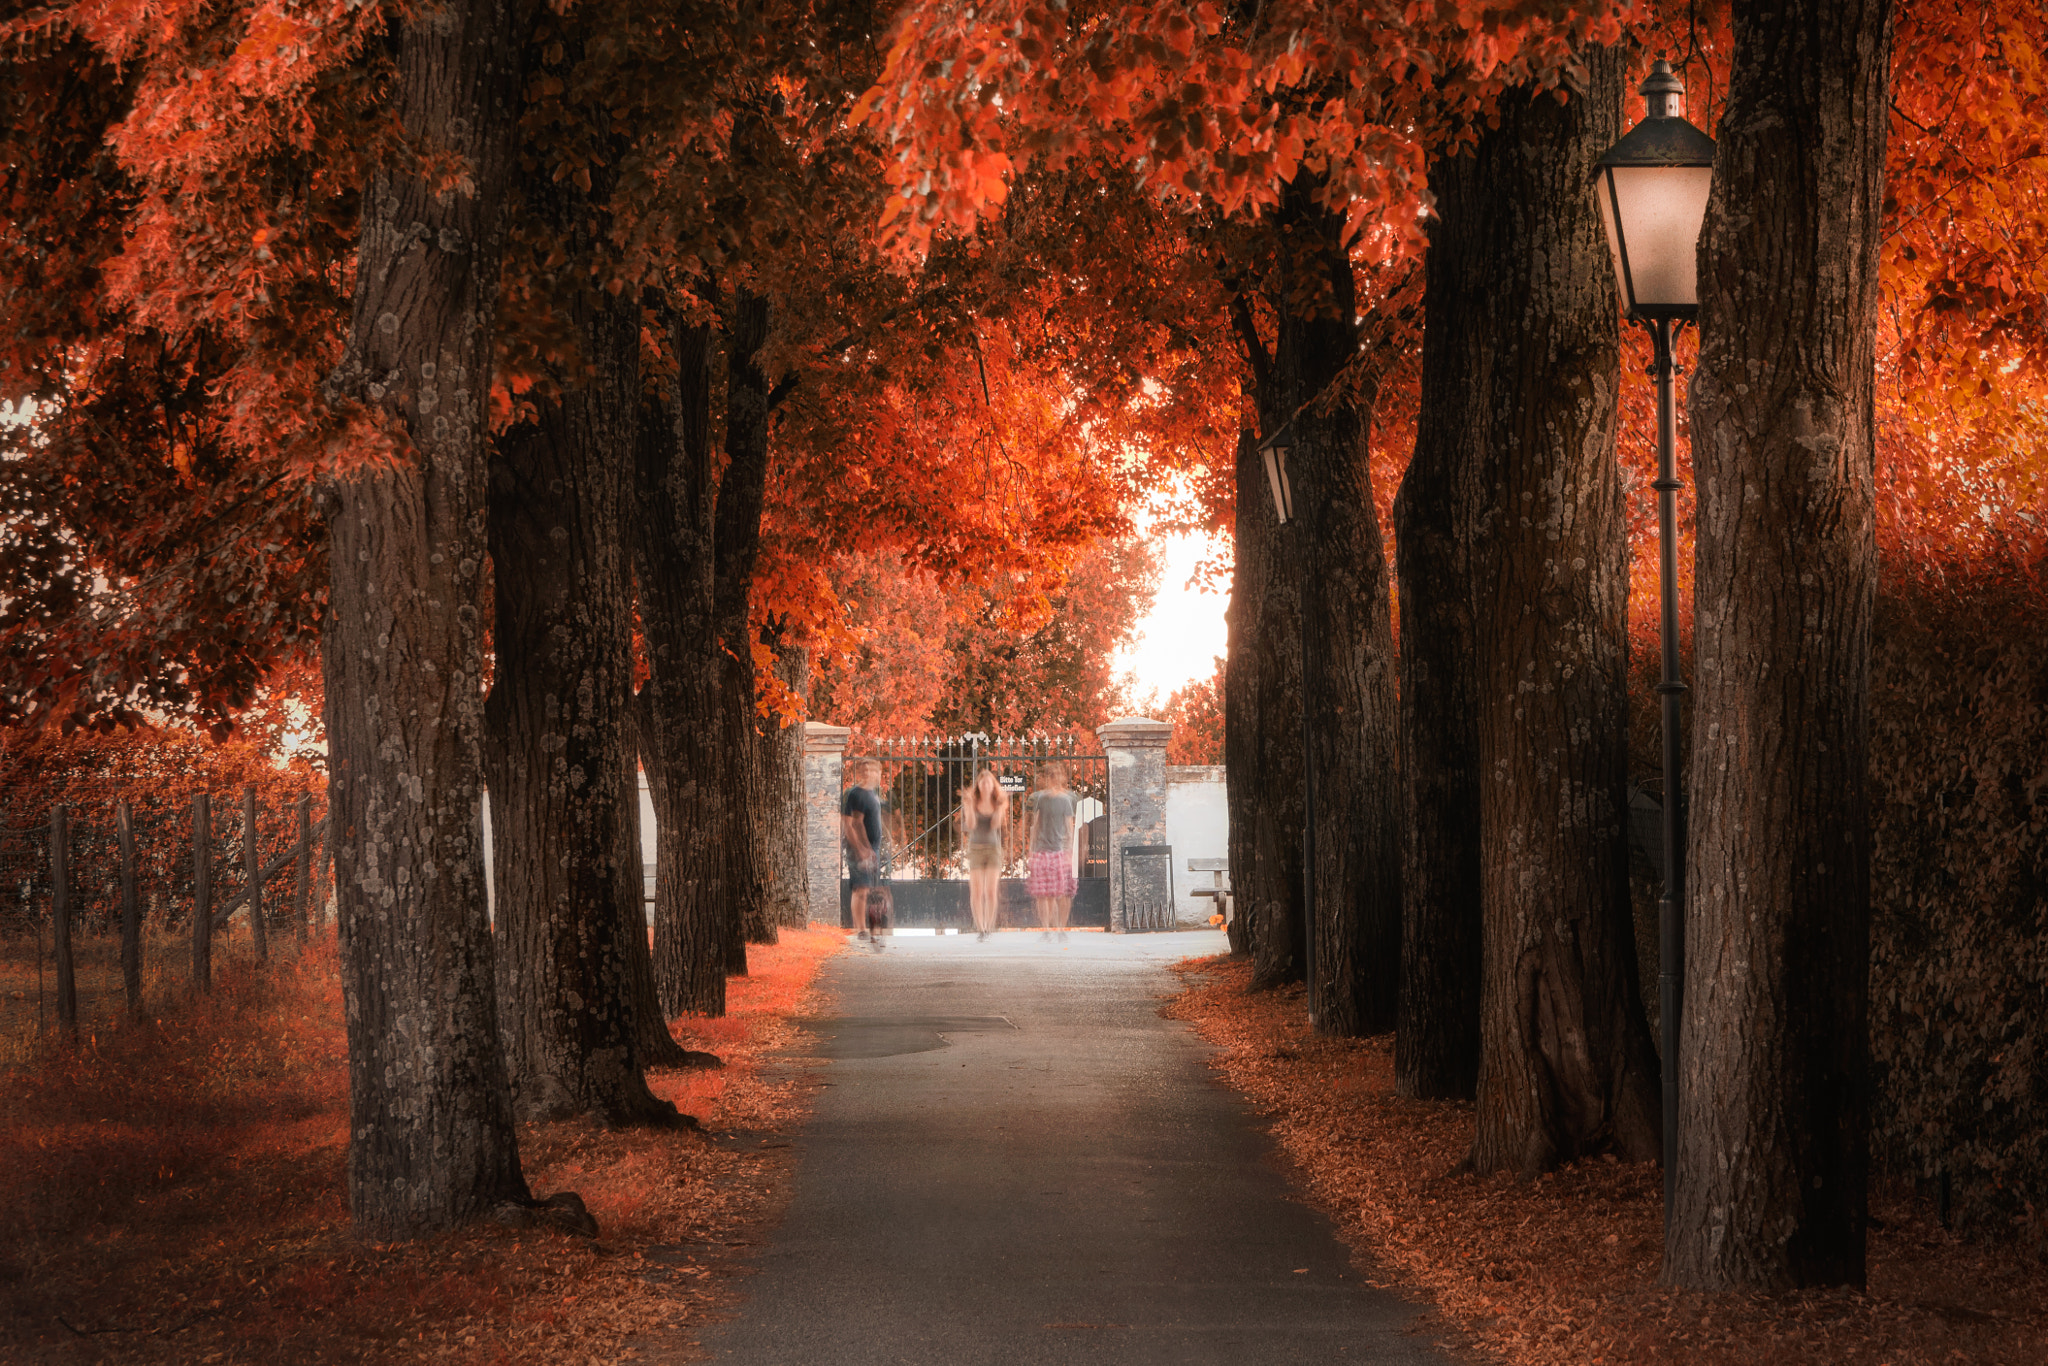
(557,753)
(1338,565)
(1262,733)
(431,1136)
(1241,722)
(700,536)
(1436,1035)
(784,813)
(1566,1065)
(653,1043)
(1774,1097)
(1349,668)
(742,494)
(693,914)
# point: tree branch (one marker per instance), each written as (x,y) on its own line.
(1248,333)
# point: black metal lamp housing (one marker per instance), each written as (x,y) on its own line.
(1653,198)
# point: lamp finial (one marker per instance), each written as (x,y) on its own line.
(1663,92)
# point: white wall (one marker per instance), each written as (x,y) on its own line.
(1197,826)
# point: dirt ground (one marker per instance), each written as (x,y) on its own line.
(1563,1269)
(176,1193)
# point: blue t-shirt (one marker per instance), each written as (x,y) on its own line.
(865,803)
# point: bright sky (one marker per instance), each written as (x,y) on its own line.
(1182,635)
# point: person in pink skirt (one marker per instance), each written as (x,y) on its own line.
(1050,839)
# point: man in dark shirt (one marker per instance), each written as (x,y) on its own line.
(860,820)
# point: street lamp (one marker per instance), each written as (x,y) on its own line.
(1652,187)
(1273,452)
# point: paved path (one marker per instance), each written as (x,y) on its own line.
(1017,1160)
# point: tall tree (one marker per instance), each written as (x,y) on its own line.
(1262,732)
(1774,1093)
(1566,1066)
(682,723)
(1319,383)
(557,752)
(431,1137)
(1436,1033)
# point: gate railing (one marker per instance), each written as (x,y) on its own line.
(922,777)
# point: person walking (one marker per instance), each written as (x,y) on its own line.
(860,822)
(1051,841)
(984,815)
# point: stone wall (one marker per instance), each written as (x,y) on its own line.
(1136,747)
(824,780)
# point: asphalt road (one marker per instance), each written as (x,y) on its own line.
(1017,1160)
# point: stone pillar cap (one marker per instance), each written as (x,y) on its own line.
(820,738)
(1135,731)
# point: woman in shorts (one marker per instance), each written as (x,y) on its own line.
(1051,841)
(984,812)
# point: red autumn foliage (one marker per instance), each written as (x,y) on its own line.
(1196,711)
(1005,655)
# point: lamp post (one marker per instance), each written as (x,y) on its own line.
(1273,452)
(1652,187)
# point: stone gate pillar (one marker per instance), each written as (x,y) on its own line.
(824,780)
(1136,748)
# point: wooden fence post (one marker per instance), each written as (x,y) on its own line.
(252,871)
(131,912)
(304,878)
(202,888)
(60,915)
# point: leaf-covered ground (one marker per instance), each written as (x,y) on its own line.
(1564,1269)
(173,1192)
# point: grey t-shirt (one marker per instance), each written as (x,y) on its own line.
(1055,810)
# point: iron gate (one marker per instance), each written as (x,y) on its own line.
(923,853)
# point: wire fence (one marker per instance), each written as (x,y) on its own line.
(97,910)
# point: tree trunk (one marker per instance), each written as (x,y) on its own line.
(653,1044)
(1250,532)
(686,777)
(782,766)
(1349,666)
(1774,1097)
(1566,1065)
(1262,733)
(1436,1037)
(742,494)
(557,755)
(1338,568)
(431,1136)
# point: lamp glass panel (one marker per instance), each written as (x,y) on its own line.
(1602,191)
(1276,475)
(1662,208)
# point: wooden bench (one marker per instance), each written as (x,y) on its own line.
(1218,870)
